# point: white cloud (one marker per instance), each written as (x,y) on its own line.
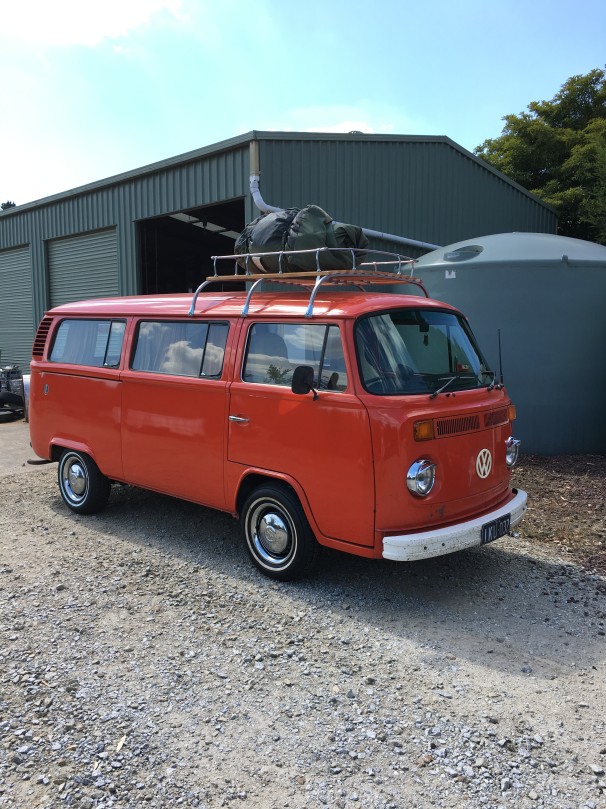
(345,126)
(365,116)
(77,22)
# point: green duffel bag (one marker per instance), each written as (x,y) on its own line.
(312,227)
(307,228)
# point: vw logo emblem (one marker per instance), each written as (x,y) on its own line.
(484,463)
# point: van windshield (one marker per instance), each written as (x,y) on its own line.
(412,351)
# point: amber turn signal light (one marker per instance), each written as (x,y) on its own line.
(511,412)
(423,430)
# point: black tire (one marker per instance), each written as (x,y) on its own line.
(7,415)
(83,487)
(276,534)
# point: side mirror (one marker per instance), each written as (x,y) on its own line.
(303,380)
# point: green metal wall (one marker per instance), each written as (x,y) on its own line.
(205,177)
(15,306)
(425,188)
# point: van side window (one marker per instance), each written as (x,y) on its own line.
(275,350)
(97,343)
(180,348)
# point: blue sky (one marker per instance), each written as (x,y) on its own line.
(89,90)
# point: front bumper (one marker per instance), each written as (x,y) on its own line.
(425,544)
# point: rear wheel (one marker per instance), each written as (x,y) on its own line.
(277,535)
(83,487)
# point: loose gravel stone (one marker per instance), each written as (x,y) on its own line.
(144,663)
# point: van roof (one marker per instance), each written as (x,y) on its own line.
(230,304)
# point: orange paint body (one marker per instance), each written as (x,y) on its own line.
(199,437)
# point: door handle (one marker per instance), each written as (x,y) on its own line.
(239,419)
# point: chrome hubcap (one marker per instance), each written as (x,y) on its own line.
(273,533)
(75,480)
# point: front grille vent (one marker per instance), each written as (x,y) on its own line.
(458,424)
(496,417)
(41,335)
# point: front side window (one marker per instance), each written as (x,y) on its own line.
(276,349)
(96,343)
(182,348)
(412,351)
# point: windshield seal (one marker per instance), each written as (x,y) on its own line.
(416,351)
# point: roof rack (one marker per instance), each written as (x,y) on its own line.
(360,274)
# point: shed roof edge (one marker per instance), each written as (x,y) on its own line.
(242,140)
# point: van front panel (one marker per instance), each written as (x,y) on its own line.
(471,474)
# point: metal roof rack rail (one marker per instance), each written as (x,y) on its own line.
(360,274)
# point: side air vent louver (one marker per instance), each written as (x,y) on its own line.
(458,424)
(41,335)
(496,417)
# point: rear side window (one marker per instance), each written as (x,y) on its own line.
(97,343)
(275,350)
(181,348)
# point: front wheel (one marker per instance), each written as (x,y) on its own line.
(277,535)
(83,487)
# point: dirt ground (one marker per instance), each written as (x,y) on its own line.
(567,505)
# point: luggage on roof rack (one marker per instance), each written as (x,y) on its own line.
(294,232)
(387,269)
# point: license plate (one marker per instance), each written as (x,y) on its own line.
(495,529)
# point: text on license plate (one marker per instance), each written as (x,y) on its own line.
(495,529)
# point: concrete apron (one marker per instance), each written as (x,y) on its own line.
(15,451)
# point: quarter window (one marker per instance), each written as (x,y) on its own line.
(97,343)
(180,348)
(276,349)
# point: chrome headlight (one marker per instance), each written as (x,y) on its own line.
(512,451)
(420,477)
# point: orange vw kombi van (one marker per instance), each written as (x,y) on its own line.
(327,410)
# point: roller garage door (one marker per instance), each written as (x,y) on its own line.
(84,266)
(16,310)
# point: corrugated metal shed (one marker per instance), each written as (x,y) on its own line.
(427,188)
(166,216)
(199,178)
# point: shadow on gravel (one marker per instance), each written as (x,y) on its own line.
(496,606)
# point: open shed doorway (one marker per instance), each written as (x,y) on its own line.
(175,250)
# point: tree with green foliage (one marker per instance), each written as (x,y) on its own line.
(557,150)
(8,204)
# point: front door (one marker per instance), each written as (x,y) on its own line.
(323,444)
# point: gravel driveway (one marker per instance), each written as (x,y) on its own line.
(143,662)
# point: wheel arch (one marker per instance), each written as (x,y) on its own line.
(58,445)
(252,478)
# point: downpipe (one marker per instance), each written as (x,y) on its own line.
(264,207)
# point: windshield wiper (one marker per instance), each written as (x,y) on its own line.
(447,383)
(444,386)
